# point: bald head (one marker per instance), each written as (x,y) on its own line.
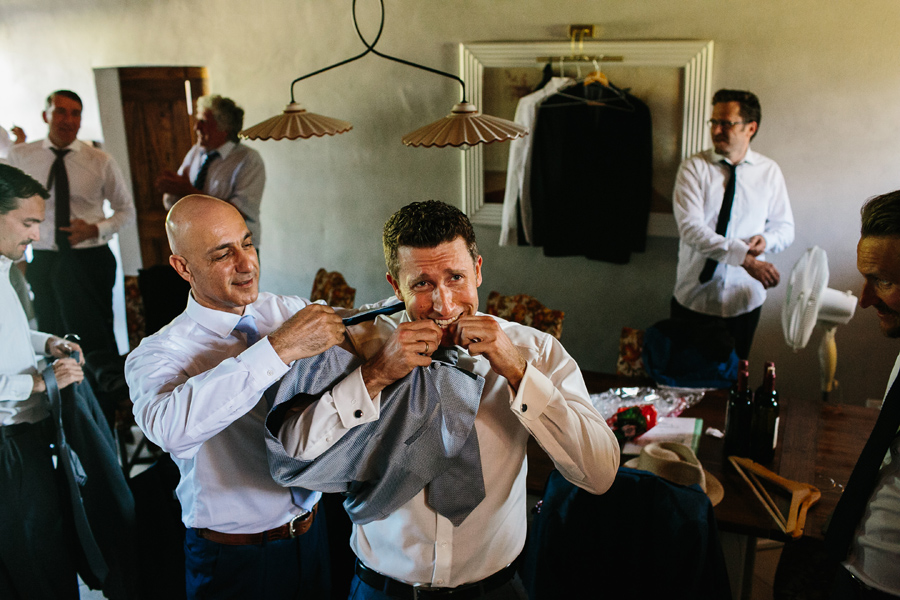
(212,250)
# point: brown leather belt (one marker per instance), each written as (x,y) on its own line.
(297,526)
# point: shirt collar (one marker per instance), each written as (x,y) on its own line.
(74,146)
(218,322)
(750,157)
(5,265)
(223,150)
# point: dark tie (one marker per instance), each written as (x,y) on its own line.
(852,505)
(59,180)
(204,169)
(724,215)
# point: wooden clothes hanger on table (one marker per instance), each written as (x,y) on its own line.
(803,495)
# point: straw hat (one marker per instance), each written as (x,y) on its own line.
(678,464)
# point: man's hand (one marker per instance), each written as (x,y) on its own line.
(309,332)
(757,245)
(480,334)
(80,230)
(67,372)
(60,348)
(409,346)
(764,272)
(170,182)
(19,133)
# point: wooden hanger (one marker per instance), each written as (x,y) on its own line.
(803,495)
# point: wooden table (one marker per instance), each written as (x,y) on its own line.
(818,444)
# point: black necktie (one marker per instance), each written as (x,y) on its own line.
(722,224)
(59,179)
(204,169)
(852,505)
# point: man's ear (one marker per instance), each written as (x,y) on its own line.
(478,272)
(44,116)
(396,287)
(181,267)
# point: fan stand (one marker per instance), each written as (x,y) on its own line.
(827,359)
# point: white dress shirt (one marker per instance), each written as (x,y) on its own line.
(18,358)
(518,170)
(93,178)
(197,392)
(875,551)
(761,207)
(417,545)
(238,177)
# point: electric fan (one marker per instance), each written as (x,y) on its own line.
(809,301)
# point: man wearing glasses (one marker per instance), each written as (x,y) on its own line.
(731,206)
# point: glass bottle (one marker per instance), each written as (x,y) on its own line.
(739,414)
(764,429)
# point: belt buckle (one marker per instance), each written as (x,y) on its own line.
(294,524)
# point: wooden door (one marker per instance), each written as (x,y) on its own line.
(159,131)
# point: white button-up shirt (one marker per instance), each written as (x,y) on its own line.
(416,544)
(18,358)
(238,177)
(761,207)
(875,552)
(93,178)
(197,392)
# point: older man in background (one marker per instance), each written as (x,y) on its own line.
(218,165)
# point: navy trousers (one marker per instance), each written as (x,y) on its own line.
(280,570)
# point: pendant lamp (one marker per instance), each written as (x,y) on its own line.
(464,126)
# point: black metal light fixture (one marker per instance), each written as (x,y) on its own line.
(464,126)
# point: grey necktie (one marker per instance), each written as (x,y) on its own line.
(424,436)
(204,169)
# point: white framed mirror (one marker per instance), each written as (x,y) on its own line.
(694,58)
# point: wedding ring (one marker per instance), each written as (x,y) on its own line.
(426,347)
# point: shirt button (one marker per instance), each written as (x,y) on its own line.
(443,544)
(439,581)
(270,372)
(524,407)
(357,414)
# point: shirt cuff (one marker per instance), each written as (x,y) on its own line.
(39,342)
(352,402)
(533,396)
(20,387)
(263,363)
(737,253)
(104,230)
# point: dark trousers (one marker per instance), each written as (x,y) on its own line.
(846,587)
(742,327)
(73,294)
(512,590)
(281,570)
(35,559)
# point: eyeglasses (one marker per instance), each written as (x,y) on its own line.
(726,125)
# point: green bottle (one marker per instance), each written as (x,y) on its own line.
(739,414)
(764,428)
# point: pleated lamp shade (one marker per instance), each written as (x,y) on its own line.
(465,126)
(295,122)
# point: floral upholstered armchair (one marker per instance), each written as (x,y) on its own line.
(526,310)
(333,289)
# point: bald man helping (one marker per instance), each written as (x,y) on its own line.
(197,387)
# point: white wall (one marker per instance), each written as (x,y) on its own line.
(826,74)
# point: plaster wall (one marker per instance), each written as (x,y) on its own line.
(826,74)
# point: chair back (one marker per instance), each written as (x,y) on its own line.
(333,289)
(527,310)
